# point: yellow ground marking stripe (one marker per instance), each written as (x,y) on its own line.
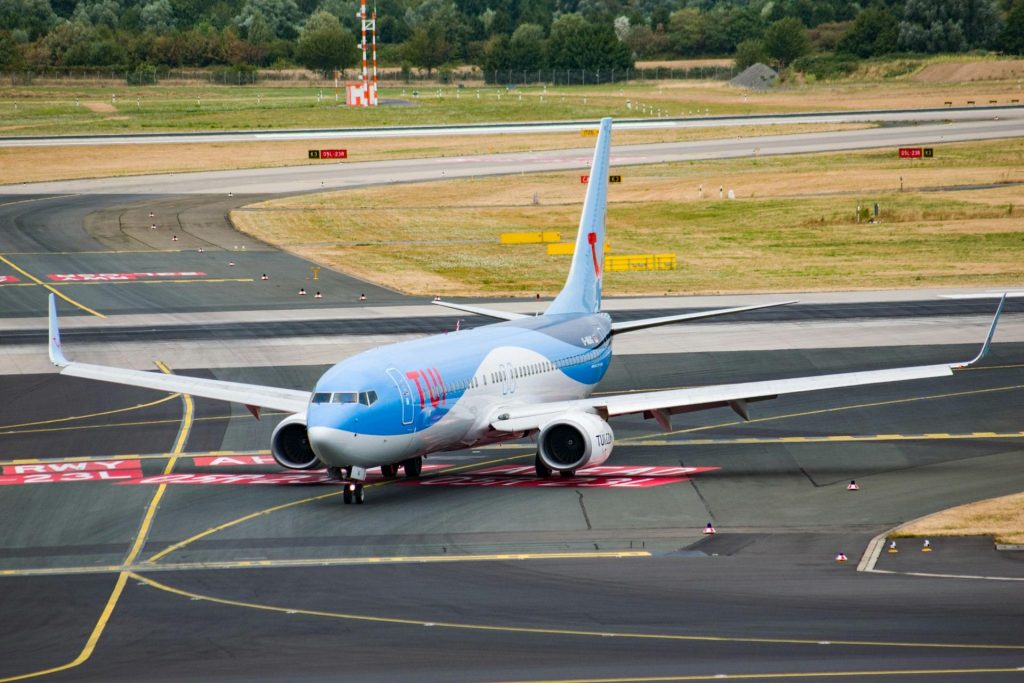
(87,416)
(179,445)
(836,409)
(767,676)
(56,291)
(829,439)
(90,644)
(323,562)
(564,632)
(140,538)
(128,282)
(140,423)
(131,456)
(261,513)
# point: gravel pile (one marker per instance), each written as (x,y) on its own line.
(756,77)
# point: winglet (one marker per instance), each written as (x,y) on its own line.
(56,354)
(988,339)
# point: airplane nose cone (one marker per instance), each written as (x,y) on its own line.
(328,444)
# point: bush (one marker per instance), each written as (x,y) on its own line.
(144,74)
(825,67)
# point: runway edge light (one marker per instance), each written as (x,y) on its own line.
(852,486)
(841,557)
(709,530)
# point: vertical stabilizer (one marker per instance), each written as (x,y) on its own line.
(582,291)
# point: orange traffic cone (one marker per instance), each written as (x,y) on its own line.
(709,530)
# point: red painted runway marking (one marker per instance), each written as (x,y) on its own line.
(591,477)
(120,475)
(8,280)
(58,467)
(232,460)
(116,277)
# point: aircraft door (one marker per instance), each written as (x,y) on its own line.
(405,392)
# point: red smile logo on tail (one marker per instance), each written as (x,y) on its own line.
(592,239)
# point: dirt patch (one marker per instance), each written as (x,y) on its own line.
(1002,518)
(960,72)
(100,107)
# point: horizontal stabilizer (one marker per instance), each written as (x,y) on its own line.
(479,310)
(630,325)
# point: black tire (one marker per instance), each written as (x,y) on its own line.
(413,467)
(567,473)
(347,495)
(359,496)
(389,471)
(543,471)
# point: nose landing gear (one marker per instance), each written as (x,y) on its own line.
(353,493)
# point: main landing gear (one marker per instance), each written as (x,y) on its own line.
(544,472)
(353,493)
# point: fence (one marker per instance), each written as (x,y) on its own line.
(228,75)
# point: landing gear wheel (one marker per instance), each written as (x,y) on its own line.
(347,495)
(412,467)
(389,471)
(358,494)
(567,473)
(543,471)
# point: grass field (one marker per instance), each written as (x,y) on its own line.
(1002,518)
(792,227)
(90,108)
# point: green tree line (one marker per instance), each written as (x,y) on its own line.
(497,35)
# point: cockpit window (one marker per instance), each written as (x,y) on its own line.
(367,398)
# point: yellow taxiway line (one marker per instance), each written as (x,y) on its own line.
(570,632)
(133,553)
(53,289)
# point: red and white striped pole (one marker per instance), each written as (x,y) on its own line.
(374,34)
(363,80)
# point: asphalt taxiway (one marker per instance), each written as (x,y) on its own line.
(145,535)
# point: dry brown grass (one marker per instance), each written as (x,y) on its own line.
(841,95)
(793,227)
(1002,518)
(21,164)
(987,70)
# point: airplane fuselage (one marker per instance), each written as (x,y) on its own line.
(443,392)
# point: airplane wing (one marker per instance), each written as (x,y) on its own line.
(661,405)
(250,395)
(480,310)
(630,325)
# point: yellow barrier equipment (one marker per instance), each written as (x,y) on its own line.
(545,237)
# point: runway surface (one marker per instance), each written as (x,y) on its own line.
(886,116)
(763,596)
(145,535)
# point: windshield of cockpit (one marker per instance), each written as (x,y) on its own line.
(366,398)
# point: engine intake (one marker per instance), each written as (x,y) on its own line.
(574,441)
(290,445)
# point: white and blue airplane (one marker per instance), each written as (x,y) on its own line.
(528,376)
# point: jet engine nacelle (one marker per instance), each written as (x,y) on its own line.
(290,445)
(575,440)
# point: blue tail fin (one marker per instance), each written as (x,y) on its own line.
(582,291)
